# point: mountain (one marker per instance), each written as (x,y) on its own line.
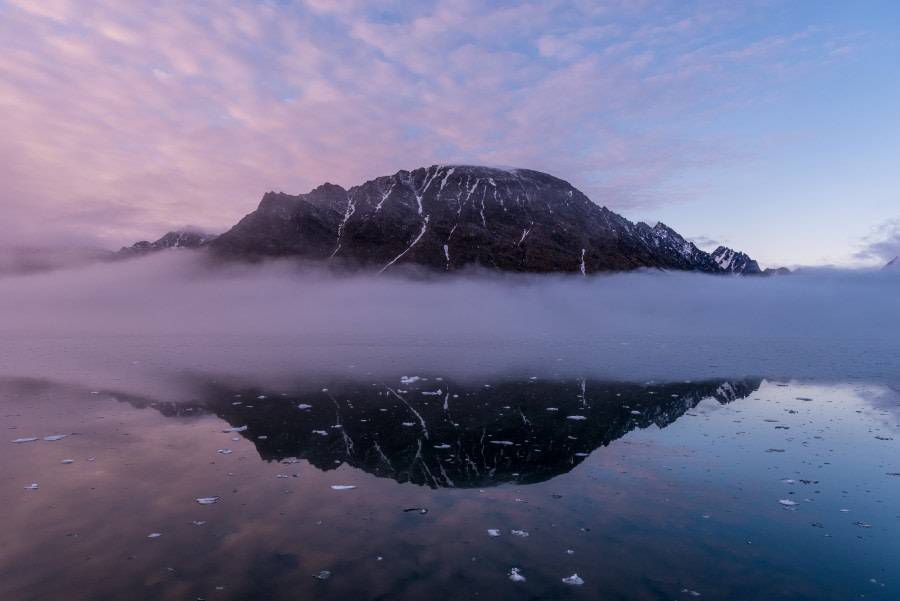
(735,262)
(450,218)
(171,241)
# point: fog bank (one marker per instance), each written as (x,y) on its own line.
(630,325)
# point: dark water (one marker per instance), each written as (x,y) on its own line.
(730,489)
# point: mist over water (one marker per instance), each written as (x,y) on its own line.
(278,315)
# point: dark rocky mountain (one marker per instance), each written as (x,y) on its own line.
(172,240)
(735,262)
(776,271)
(454,217)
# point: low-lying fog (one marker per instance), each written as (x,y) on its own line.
(177,309)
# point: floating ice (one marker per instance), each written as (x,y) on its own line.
(576,417)
(690,592)
(409,379)
(574,580)
(408,424)
(515,576)
(581,454)
(442,446)
(493,533)
(503,442)
(552,409)
(342,487)
(787,502)
(55,437)
(635,413)
(198,522)
(862,524)
(33,486)
(208,500)
(304,406)
(224,451)
(323,575)
(154,535)
(322,432)
(789,481)
(29,439)
(236,429)
(67,461)
(521,533)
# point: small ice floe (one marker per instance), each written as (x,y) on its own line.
(261,397)
(197,522)
(690,592)
(574,580)
(787,502)
(154,535)
(321,432)
(21,440)
(409,379)
(503,442)
(788,480)
(437,392)
(264,437)
(342,487)
(67,461)
(493,533)
(224,451)
(208,500)
(33,486)
(845,511)
(581,454)
(304,406)
(576,417)
(408,424)
(552,409)
(862,524)
(235,429)
(635,413)
(442,446)
(323,575)
(55,437)
(515,576)
(521,533)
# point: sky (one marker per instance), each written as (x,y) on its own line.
(767,126)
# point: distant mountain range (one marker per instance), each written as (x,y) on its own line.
(451,218)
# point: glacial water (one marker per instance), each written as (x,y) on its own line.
(423,485)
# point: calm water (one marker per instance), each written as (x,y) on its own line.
(726,489)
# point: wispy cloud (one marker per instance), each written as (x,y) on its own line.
(121,121)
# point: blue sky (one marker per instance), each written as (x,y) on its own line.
(771,127)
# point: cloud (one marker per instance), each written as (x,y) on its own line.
(123,122)
(882,244)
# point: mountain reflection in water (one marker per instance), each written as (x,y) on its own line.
(437,433)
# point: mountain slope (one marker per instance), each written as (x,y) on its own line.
(452,217)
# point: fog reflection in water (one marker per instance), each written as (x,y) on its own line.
(684,497)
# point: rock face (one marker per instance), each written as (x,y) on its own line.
(735,262)
(172,240)
(454,217)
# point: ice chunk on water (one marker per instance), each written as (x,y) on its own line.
(21,440)
(493,533)
(304,406)
(33,486)
(503,442)
(787,502)
(224,451)
(154,535)
(67,461)
(409,379)
(576,417)
(690,592)
(521,533)
(515,576)
(55,437)
(323,575)
(235,429)
(442,446)
(342,487)
(208,500)
(574,580)
(198,522)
